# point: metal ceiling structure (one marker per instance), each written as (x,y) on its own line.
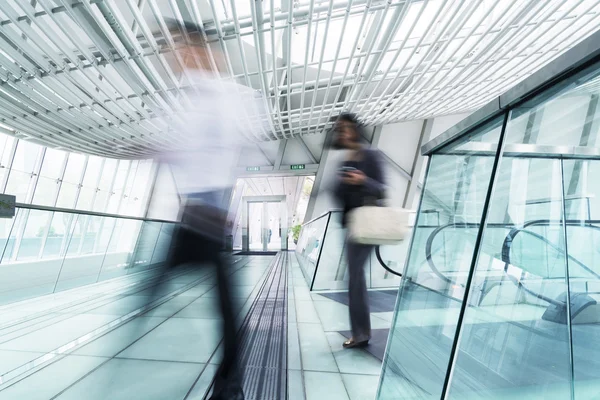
(100,76)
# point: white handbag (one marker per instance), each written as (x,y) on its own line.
(378,225)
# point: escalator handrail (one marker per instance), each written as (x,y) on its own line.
(506,246)
(432,236)
(383,264)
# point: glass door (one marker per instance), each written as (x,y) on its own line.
(273,226)
(256,235)
(264,226)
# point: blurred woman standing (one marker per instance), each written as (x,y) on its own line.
(360,182)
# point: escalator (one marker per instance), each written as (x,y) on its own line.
(583,303)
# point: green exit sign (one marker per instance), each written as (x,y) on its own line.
(252,169)
(297,166)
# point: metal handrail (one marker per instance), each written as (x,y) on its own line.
(92,213)
(507,245)
(383,264)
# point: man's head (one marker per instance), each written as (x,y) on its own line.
(348,132)
(193,48)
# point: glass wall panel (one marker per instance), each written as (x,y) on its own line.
(309,245)
(48,183)
(104,187)
(21,176)
(163,244)
(332,272)
(582,186)
(519,276)
(58,235)
(432,291)
(137,189)
(69,188)
(6,153)
(118,188)
(120,249)
(125,202)
(9,279)
(146,245)
(82,265)
(89,186)
(30,244)
(26,274)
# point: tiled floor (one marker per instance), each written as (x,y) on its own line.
(318,366)
(71,346)
(89,343)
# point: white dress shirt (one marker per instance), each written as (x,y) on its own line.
(209,137)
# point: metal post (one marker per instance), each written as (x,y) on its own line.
(474,259)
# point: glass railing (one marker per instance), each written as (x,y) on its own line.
(48,250)
(321,255)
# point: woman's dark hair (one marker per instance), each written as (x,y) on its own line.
(358,129)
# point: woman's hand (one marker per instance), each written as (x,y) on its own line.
(355,178)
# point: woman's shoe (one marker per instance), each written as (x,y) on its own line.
(350,343)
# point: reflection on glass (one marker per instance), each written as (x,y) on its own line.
(163,244)
(583,241)
(420,343)
(332,269)
(146,245)
(34,235)
(84,260)
(309,245)
(120,249)
(515,282)
(58,235)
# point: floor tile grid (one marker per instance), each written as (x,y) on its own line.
(53,319)
(79,306)
(206,378)
(96,289)
(341,385)
(244,312)
(56,355)
(295,390)
(122,283)
(265,358)
(108,300)
(244,317)
(316,384)
(205,367)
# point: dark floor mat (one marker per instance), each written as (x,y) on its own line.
(263,339)
(256,253)
(379,300)
(377,343)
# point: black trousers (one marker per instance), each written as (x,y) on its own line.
(360,317)
(197,243)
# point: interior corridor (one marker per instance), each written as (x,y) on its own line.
(111,340)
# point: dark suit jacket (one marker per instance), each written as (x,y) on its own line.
(351,196)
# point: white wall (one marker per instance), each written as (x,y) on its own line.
(400,143)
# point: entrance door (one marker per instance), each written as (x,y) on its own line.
(264,223)
(273,226)
(256,234)
(264,226)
